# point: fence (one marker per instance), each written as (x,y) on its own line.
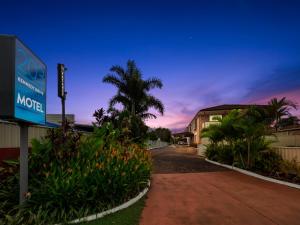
(283,139)
(289,153)
(10,134)
(156,144)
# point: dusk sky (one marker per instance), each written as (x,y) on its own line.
(206,52)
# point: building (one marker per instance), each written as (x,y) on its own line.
(57,118)
(208,116)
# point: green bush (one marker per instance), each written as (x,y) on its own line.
(268,161)
(211,152)
(290,170)
(76,176)
(219,153)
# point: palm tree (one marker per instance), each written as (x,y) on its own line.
(279,108)
(252,127)
(214,134)
(133,91)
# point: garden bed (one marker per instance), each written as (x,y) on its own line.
(74,176)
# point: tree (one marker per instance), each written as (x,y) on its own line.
(252,127)
(278,109)
(214,134)
(101,117)
(133,91)
(163,134)
(152,135)
(289,121)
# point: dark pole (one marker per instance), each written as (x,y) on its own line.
(63,113)
(62,93)
(23,161)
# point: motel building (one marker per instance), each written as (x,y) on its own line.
(208,116)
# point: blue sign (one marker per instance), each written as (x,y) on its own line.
(30,86)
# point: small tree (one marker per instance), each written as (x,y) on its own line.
(280,108)
(251,128)
(164,134)
(214,134)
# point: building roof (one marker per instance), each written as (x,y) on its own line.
(185,133)
(228,107)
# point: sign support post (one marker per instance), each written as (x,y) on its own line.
(61,69)
(23,161)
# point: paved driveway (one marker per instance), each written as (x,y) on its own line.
(185,194)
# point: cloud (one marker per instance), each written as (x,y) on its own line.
(282,80)
(184,103)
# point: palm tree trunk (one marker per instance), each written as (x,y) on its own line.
(133,108)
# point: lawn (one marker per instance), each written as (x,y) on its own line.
(128,216)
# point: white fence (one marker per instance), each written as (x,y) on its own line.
(156,144)
(289,153)
(280,139)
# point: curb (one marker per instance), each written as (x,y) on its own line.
(157,147)
(113,210)
(297,186)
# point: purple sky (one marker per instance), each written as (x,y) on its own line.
(206,52)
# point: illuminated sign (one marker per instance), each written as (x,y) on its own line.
(23,88)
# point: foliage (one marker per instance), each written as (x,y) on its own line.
(101,117)
(291,169)
(164,134)
(289,121)
(238,137)
(268,161)
(75,176)
(133,90)
(222,154)
(132,127)
(277,109)
(214,133)
(152,135)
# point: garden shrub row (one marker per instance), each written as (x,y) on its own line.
(239,140)
(73,176)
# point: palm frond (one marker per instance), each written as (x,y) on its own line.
(112,79)
(155,103)
(119,70)
(152,83)
(147,116)
(118,98)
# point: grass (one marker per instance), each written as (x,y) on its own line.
(128,216)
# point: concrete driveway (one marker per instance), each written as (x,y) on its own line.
(183,192)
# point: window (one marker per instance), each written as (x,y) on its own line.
(213,118)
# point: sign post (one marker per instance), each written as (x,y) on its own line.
(22,94)
(23,161)
(62,93)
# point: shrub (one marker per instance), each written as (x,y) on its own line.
(76,176)
(219,153)
(268,161)
(291,170)
(211,152)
